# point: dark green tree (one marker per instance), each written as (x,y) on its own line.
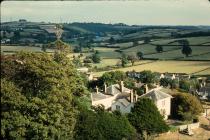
(159,48)
(16,36)
(147,76)
(186,50)
(132,59)
(96,58)
(111,40)
(4,34)
(44,48)
(146,40)
(124,60)
(135,43)
(139,55)
(165,82)
(184,85)
(146,117)
(186,106)
(112,77)
(102,125)
(77,49)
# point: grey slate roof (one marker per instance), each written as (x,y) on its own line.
(99,96)
(205,89)
(111,91)
(156,95)
(115,89)
(124,102)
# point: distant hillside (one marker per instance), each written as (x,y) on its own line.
(25,32)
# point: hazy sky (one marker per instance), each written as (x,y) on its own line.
(142,12)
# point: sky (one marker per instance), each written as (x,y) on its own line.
(139,12)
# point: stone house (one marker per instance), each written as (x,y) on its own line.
(115,97)
(162,101)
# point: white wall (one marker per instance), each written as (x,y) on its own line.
(164,104)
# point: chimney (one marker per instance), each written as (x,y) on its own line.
(146,88)
(96,90)
(136,96)
(105,88)
(131,96)
(135,84)
(204,83)
(121,86)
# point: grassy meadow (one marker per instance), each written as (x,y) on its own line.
(22,48)
(168,66)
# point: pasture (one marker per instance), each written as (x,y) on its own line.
(168,66)
(192,40)
(22,48)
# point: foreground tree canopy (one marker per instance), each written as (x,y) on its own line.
(102,125)
(37,93)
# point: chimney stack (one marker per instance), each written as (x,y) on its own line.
(121,86)
(146,88)
(96,90)
(131,96)
(105,88)
(135,84)
(136,97)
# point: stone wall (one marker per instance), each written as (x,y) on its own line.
(191,126)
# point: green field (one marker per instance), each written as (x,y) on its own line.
(107,52)
(198,53)
(170,52)
(22,48)
(168,66)
(106,62)
(192,40)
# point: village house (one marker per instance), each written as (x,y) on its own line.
(115,97)
(162,101)
(204,91)
(118,97)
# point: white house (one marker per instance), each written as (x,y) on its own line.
(83,69)
(204,91)
(115,97)
(168,76)
(162,101)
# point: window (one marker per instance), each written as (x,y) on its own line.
(163,103)
(117,107)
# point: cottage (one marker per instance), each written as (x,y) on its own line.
(204,91)
(168,76)
(162,101)
(115,97)
(83,69)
